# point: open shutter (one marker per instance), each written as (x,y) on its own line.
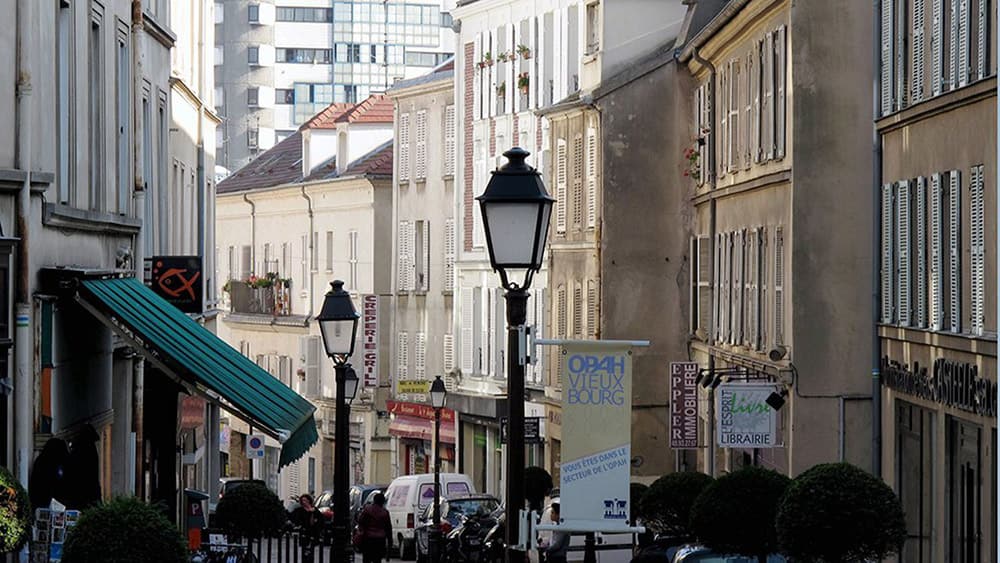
(779,286)
(449,255)
(467,327)
(578,163)
(403,356)
(723,121)
(736,336)
(750,290)
(706,131)
(901,64)
(312,366)
(982,39)
(781,52)
(561,186)
(449,140)
(486,334)
(755,84)
(963,43)
(404,147)
(937,47)
(591,178)
(733,152)
(448,354)
(887,272)
(917,53)
(592,305)
(767,135)
(953,44)
(748,70)
(404,243)
(904,264)
(704,284)
(937,254)
(977,242)
(955,249)
(716,291)
(920,250)
(561,329)
(885,91)
(762,307)
(722,274)
(421,172)
(420,356)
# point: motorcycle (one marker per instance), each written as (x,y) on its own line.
(466,543)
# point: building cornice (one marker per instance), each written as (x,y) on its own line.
(296,188)
(780,177)
(726,29)
(978,345)
(970,94)
(158,31)
(419,89)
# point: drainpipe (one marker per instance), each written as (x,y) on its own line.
(253,232)
(312,252)
(139,252)
(23,333)
(876,253)
(710,150)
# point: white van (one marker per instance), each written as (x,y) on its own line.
(407,496)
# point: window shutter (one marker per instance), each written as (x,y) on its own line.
(723,121)
(917,53)
(900,28)
(486,331)
(781,50)
(937,49)
(703,300)
(420,357)
(977,242)
(402,255)
(578,163)
(762,264)
(561,328)
(756,83)
(963,43)
(779,286)
(904,262)
(953,44)
(449,255)
(714,334)
(748,70)
(448,354)
(920,226)
(888,264)
(561,186)
(982,39)
(697,124)
(591,178)
(733,153)
(767,135)
(955,248)
(577,310)
(726,292)
(466,333)
(449,140)
(937,254)
(592,304)
(312,365)
(404,147)
(886,58)
(403,356)
(541,300)
(750,289)
(706,131)
(421,172)
(736,306)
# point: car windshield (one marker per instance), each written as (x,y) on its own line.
(470,506)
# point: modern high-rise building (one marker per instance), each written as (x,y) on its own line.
(280,62)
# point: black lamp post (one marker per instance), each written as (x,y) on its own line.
(438,393)
(338,322)
(516,210)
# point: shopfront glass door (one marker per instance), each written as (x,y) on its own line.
(965,491)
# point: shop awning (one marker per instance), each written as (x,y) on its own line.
(420,429)
(176,343)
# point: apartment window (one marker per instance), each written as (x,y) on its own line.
(404,147)
(701,285)
(253,137)
(246,262)
(253,96)
(329,251)
(352,257)
(304,56)
(304,15)
(284,96)
(253,13)
(253,55)
(65,74)
(449,141)
(286,260)
(219,12)
(305,260)
(593,28)
(421,156)
(96,117)
(232,263)
(422,255)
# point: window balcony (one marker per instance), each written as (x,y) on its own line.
(269,295)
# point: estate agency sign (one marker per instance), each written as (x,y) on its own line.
(683,405)
(745,420)
(596,434)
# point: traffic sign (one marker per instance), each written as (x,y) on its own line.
(255,446)
(532,429)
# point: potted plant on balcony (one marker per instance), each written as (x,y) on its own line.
(524,51)
(501,89)
(506,56)
(523,83)
(486,61)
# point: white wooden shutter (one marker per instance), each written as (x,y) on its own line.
(920,251)
(901,64)
(727,271)
(421,168)
(716,291)
(733,152)
(904,263)
(404,147)
(963,43)
(885,91)
(486,331)
(749,69)
(982,39)
(449,255)
(736,306)
(723,122)
(403,356)
(449,140)
(767,135)
(703,281)
(312,365)
(448,353)
(917,53)
(937,253)
(937,47)
(781,52)
(953,44)
(591,177)
(750,291)
(578,163)
(955,249)
(888,273)
(561,186)
(756,84)
(420,356)
(977,247)
(762,304)
(562,330)
(706,131)
(592,305)
(577,310)
(466,330)
(779,285)
(404,256)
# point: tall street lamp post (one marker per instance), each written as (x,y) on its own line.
(438,393)
(516,209)
(338,322)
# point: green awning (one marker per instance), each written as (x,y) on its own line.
(190,352)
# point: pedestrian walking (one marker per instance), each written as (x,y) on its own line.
(558,546)
(375,530)
(310,524)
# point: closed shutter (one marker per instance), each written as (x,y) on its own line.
(404,147)
(781,52)
(779,286)
(421,171)
(736,335)
(725,292)
(723,121)
(591,178)
(312,355)
(404,244)
(449,140)
(885,90)
(901,28)
(467,327)
(748,70)
(449,255)
(717,291)
(953,44)
(592,304)
(920,251)
(917,53)
(937,253)
(904,263)
(982,40)
(577,310)
(762,308)
(767,134)
(954,249)
(977,247)
(937,46)
(541,300)
(561,328)
(246,262)
(578,162)
(755,85)
(485,327)
(704,284)
(750,290)
(887,272)
(733,152)
(963,43)
(403,356)
(448,353)
(420,356)
(561,186)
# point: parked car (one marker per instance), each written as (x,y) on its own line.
(701,554)
(662,549)
(361,495)
(406,498)
(452,511)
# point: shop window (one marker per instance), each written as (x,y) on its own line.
(964,491)
(914,483)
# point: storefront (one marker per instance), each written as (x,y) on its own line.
(553,440)
(413,425)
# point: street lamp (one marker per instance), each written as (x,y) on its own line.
(516,209)
(438,393)
(338,323)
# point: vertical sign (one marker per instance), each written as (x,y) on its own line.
(683,405)
(596,434)
(369,339)
(745,420)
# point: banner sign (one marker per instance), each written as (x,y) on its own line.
(596,434)
(369,339)
(178,280)
(745,420)
(683,405)
(420,411)
(413,386)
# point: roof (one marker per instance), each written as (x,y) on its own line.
(376,109)
(281,164)
(431,78)
(378,162)
(327,118)
(705,19)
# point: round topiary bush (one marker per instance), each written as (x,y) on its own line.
(15,513)
(124,529)
(251,510)
(735,514)
(838,513)
(635,492)
(537,486)
(666,506)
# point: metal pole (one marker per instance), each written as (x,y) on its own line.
(434,538)
(517,311)
(589,549)
(342,551)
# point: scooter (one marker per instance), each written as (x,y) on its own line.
(466,542)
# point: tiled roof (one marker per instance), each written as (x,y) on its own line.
(280,164)
(376,109)
(378,162)
(447,74)
(327,119)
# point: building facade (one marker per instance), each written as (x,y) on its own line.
(937,327)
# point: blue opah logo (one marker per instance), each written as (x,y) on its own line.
(596,380)
(615,509)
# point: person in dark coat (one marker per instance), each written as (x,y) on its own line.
(375,527)
(83,470)
(48,478)
(310,524)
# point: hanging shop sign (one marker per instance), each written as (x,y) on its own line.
(683,405)
(744,418)
(178,280)
(413,386)
(420,411)
(369,339)
(949,382)
(532,429)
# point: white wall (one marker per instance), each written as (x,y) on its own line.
(638,28)
(363,138)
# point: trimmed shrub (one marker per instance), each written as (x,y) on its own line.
(537,485)
(666,506)
(735,514)
(15,513)
(635,492)
(124,529)
(251,510)
(839,513)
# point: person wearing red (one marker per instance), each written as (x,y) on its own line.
(375,529)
